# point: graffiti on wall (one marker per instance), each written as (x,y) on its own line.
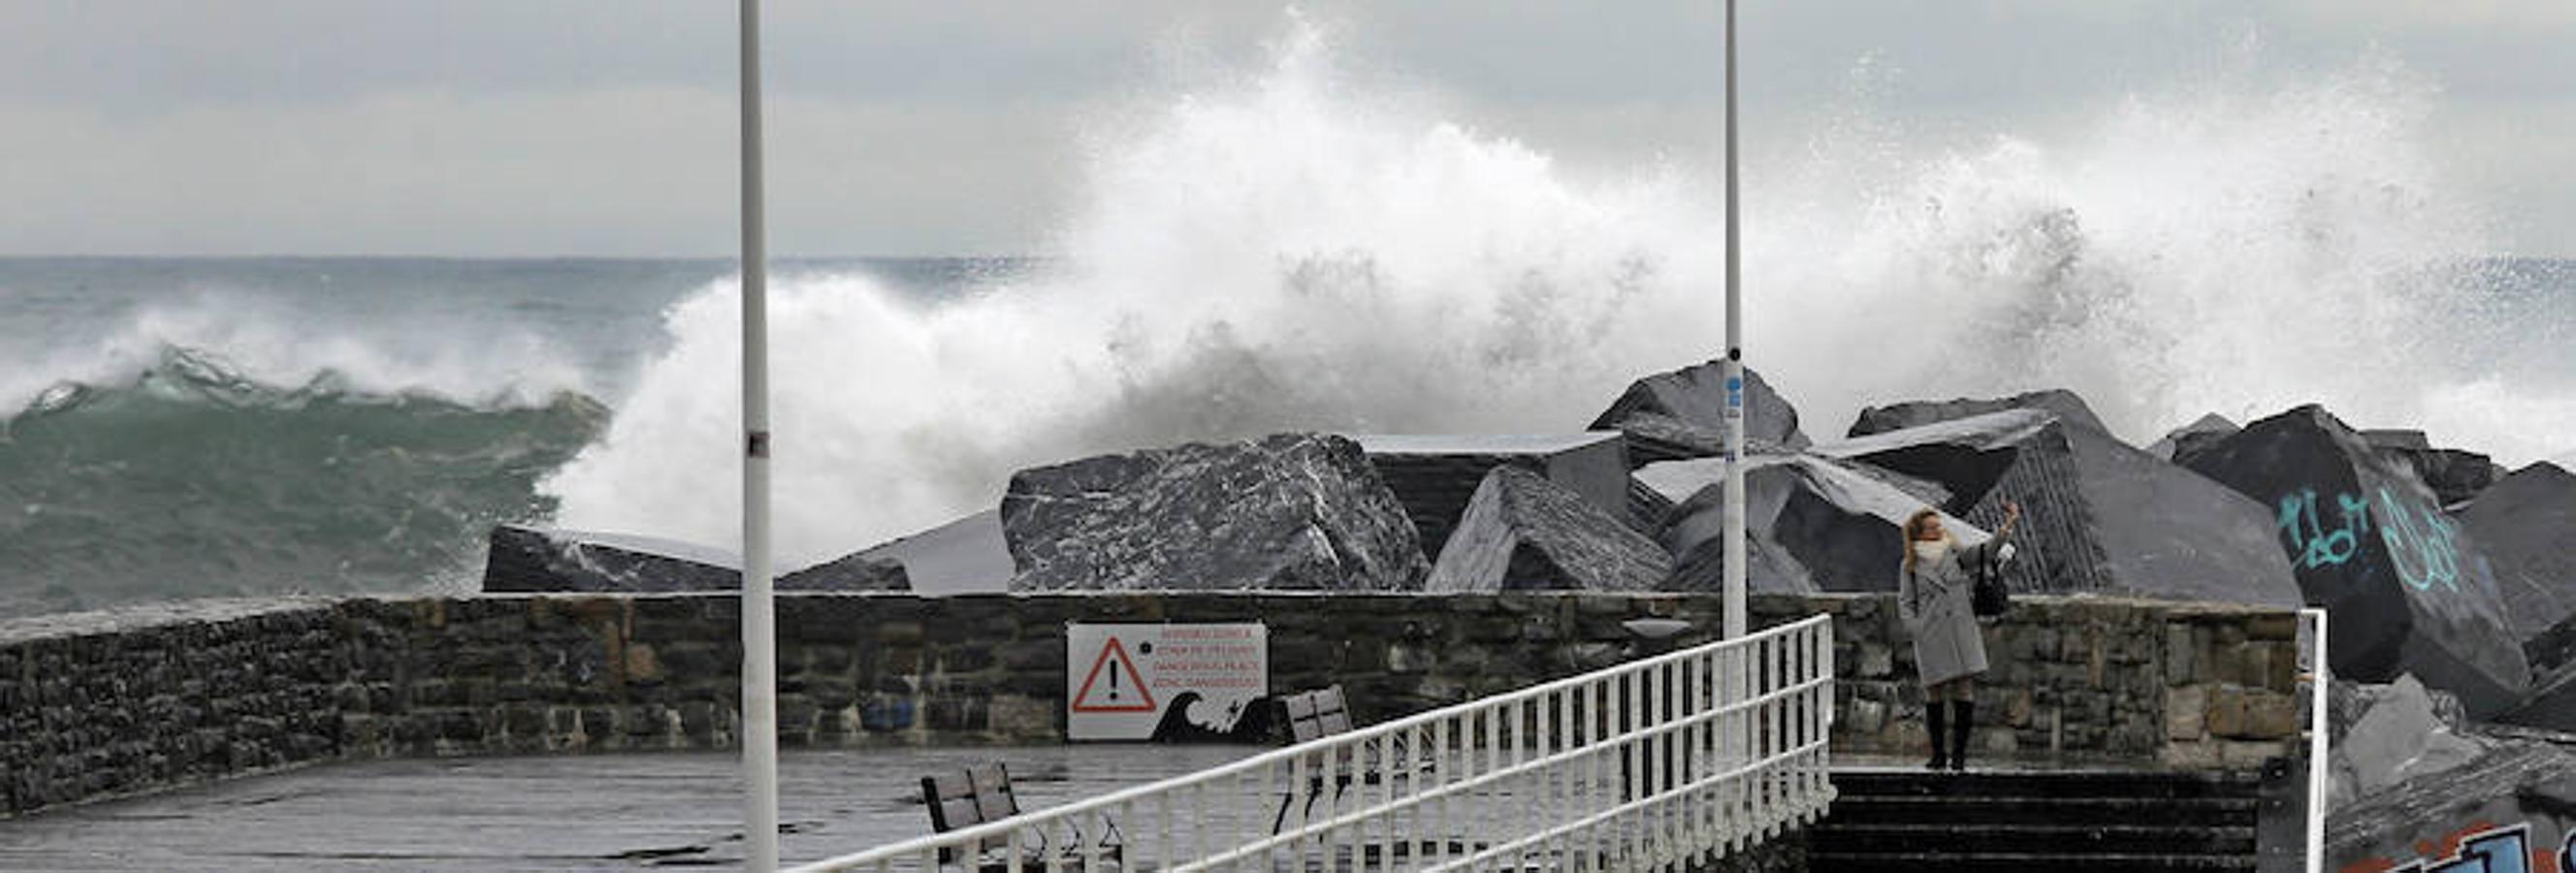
(2481,848)
(2421,543)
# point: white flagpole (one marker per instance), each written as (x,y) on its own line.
(1734,367)
(759,620)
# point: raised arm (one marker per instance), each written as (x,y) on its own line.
(1989,549)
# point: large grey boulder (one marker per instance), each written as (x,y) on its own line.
(1812,523)
(533,559)
(2059,402)
(1285,512)
(2455,475)
(2101,516)
(1524,532)
(2387,734)
(1682,414)
(1435,475)
(2527,524)
(2409,588)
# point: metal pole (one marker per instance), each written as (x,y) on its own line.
(1736,625)
(759,621)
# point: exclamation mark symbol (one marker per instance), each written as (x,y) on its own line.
(1113,680)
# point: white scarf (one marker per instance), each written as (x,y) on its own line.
(1930,552)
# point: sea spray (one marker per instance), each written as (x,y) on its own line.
(1296,250)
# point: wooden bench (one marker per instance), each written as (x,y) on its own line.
(982,794)
(1325,712)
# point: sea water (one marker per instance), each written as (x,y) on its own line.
(1291,251)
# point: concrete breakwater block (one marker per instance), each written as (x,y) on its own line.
(1682,414)
(1814,524)
(2409,588)
(1284,512)
(530,559)
(2455,475)
(2527,524)
(1523,532)
(2191,437)
(2066,405)
(1434,475)
(966,556)
(2100,516)
(2552,703)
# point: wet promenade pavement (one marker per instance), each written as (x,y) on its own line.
(596,812)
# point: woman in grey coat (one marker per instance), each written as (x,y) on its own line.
(1934,596)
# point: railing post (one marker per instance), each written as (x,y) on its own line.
(2319,681)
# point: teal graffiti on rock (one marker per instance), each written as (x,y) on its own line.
(2422,544)
(2310,542)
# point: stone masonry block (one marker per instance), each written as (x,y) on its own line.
(2179,654)
(2186,712)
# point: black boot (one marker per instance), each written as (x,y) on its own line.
(1936,715)
(1965,719)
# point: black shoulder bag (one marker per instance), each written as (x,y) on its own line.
(1987,595)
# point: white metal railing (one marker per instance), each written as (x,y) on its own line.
(2318,677)
(1656,764)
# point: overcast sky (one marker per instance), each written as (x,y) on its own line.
(524,127)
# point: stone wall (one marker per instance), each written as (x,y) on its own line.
(100,705)
(2185,684)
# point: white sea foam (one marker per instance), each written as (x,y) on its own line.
(263,339)
(1300,251)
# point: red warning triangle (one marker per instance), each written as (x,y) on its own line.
(1123,692)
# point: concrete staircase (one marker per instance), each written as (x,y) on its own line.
(2090,821)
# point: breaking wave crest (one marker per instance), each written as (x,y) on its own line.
(192,477)
(1296,250)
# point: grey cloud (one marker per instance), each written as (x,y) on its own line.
(385,126)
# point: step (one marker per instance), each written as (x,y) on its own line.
(1944,809)
(2099,783)
(1884,839)
(1823,859)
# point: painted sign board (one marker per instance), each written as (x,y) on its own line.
(1162,681)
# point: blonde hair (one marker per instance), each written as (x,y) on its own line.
(1914,531)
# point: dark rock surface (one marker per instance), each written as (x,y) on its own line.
(2454,475)
(847,573)
(2527,524)
(2059,402)
(1524,532)
(2409,589)
(1435,475)
(1682,414)
(1285,512)
(536,560)
(1814,524)
(2191,437)
(527,559)
(2100,516)
(2552,648)
(2552,703)
(966,556)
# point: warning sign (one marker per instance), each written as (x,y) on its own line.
(1162,681)
(1099,696)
